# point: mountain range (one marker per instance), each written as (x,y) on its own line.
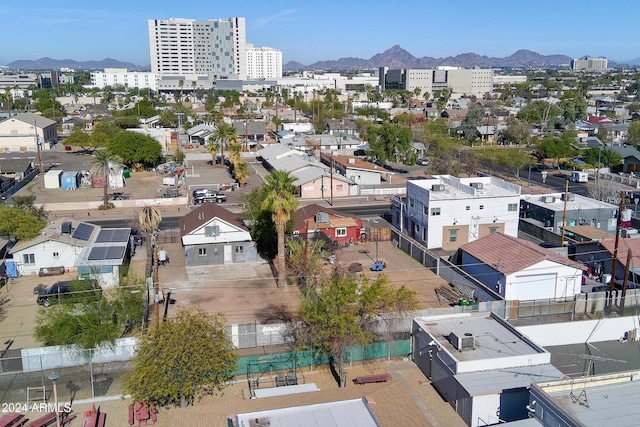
(56,64)
(395,57)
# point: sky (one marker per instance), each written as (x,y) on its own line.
(309,31)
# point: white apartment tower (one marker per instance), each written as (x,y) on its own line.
(264,63)
(183,47)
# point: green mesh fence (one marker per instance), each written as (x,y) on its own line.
(383,350)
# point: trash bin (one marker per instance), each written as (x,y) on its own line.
(126,173)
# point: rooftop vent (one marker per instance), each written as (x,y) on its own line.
(548,199)
(466,341)
(260,422)
(351,161)
(66,227)
(476,185)
(437,187)
(568,197)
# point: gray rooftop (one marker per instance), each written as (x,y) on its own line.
(578,202)
(346,413)
(460,188)
(598,401)
(495,339)
(497,380)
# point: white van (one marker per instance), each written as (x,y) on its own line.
(576,176)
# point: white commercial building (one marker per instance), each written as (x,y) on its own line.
(190,47)
(122,77)
(27,132)
(470,81)
(447,212)
(587,63)
(480,364)
(264,63)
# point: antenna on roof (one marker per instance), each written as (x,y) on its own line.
(581,398)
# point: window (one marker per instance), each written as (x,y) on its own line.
(425,210)
(513,207)
(56,255)
(468,208)
(411,202)
(239,249)
(435,211)
(492,230)
(341,232)
(424,234)
(28,259)
(453,236)
(202,251)
(481,207)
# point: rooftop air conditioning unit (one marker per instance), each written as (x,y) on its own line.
(351,161)
(260,422)
(628,233)
(548,199)
(66,227)
(568,197)
(437,187)
(464,341)
(476,185)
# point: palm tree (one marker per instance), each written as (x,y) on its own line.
(212,146)
(241,170)
(234,153)
(223,134)
(101,164)
(181,85)
(281,202)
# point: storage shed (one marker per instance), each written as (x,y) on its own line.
(69,180)
(52,178)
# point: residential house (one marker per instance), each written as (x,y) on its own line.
(357,170)
(199,134)
(630,157)
(480,364)
(325,143)
(212,235)
(548,211)
(315,220)
(91,250)
(250,132)
(447,212)
(520,270)
(601,253)
(340,128)
(27,132)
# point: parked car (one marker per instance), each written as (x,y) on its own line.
(70,291)
(203,195)
(422,162)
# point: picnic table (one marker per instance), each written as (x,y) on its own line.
(142,411)
(94,418)
(367,379)
(13,419)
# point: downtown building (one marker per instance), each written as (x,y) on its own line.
(469,81)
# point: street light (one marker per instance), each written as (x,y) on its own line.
(53,376)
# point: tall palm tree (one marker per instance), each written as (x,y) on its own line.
(281,202)
(101,163)
(234,153)
(149,218)
(241,170)
(224,134)
(213,146)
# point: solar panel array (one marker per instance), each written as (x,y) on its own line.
(113,235)
(83,232)
(106,252)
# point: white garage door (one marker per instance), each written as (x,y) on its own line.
(534,286)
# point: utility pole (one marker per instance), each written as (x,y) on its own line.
(156,285)
(625,282)
(564,213)
(614,262)
(35,129)
(331,177)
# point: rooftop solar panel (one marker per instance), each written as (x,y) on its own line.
(83,232)
(106,252)
(113,235)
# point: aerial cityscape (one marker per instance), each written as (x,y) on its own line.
(327,215)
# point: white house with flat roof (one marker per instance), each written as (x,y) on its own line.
(480,364)
(447,212)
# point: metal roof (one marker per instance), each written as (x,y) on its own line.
(346,413)
(578,202)
(460,188)
(494,338)
(497,380)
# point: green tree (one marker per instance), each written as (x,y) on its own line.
(390,142)
(633,134)
(134,148)
(606,157)
(26,203)
(281,202)
(261,226)
(213,146)
(20,223)
(342,312)
(149,218)
(540,112)
(100,164)
(241,172)
(475,118)
(556,148)
(187,358)
(517,132)
(223,135)
(306,261)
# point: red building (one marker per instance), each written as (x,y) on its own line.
(338,227)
